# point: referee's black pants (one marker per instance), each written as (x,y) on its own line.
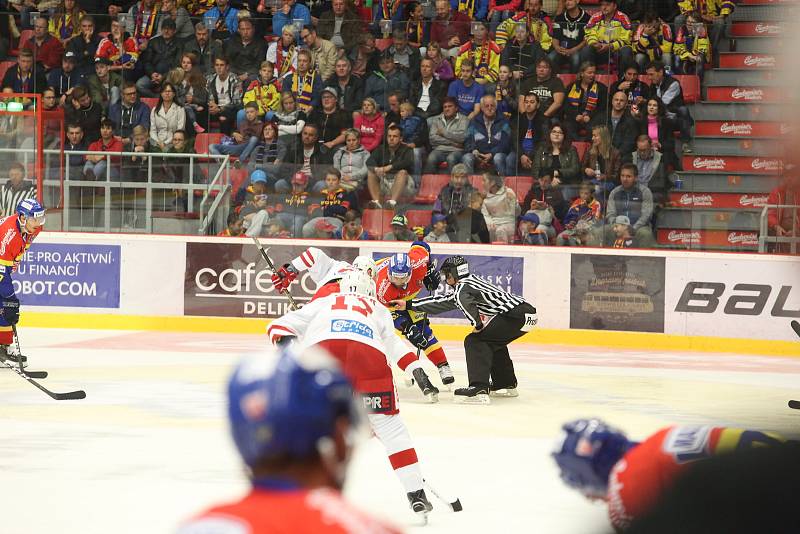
(487,350)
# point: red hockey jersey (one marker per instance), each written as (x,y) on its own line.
(386,291)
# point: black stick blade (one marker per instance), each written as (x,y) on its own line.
(36,374)
(794,404)
(70,395)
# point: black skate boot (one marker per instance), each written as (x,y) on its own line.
(420,503)
(446,374)
(429,391)
(471,395)
(8,353)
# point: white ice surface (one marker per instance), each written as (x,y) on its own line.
(149,447)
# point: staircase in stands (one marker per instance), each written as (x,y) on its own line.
(737,153)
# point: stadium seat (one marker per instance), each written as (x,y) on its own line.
(419,218)
(644,78)
(377,222)
(606,79)
(430,186)
(203,140)
(567,79)
(150,101)
(4,66)
(238,177)
(520,185)
(477,181)
(581,147)
(383,44)
(24,35)
(690,86)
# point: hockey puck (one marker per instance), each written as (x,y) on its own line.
(794,404)
(456,506)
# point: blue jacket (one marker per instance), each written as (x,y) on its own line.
(298,11)
(479,11)
(636,203)
(63,82)
(377,14)
(498,141)
(140,114)
(379,86)
(231,18)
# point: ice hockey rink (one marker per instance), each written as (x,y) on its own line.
(149,446)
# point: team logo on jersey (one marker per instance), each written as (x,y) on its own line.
(351,327)
(687,443)
(380,402)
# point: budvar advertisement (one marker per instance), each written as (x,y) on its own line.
(232,280)
(75,275)
(617,293)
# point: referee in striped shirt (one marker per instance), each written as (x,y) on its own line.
(498,317)
(15,190)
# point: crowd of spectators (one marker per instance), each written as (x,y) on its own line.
(334,108)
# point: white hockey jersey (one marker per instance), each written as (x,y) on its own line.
(321,267)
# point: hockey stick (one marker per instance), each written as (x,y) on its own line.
(455,506)
(794,404)
(292,303)
(796,327)
(32,374)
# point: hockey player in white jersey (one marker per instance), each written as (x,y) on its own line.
(324,271)
(358,330)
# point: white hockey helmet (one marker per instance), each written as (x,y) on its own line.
(367,265)
(357,282)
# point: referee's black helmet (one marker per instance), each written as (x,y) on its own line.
(455,266)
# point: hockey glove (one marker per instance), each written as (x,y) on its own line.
(432,278)
(283,277)
(285,341)
(416,335)
(11,309)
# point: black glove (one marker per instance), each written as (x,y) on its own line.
(11,309)
(416,335)
(285,341)
(432,278)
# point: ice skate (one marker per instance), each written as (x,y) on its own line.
(9,354)
(471,395)
(503,391)
(429,391)
(420,504)
(446,374)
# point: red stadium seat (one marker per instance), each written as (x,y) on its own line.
(477,181)
(581,147)
(606,79)
(4,66)
(203,140)
(377,222)
(644,78)
(430,187)
(690,85)
(419,218)
(238,178)
(567,79)
(24,36)
(520,185)
(151,102)
(383,44)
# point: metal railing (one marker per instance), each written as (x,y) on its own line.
(763,233)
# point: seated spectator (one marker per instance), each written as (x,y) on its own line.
(656,125)
(623,231)
(167,117)
(717,15)
(65,79)
(388,80)
(351,161)
(527,131)
(15,189)
(442,68)
(352,230)
(505,92)
(585,103)
(141,22)
(386,14)
(601,163)
(634,201)
(400,230)
(128,113)
(635,90)
(692,47)
(483,53)
(65,22)
(293,207)
(521,54)
(323,52)
(538,22)
(104,86)
(653,41)
(245,140)
(622,125)
(120,48)
(329,213)
(224,95)
(163,54)
(245,51)
(263,91)
(500,11)
(74,163)
(308,158)
(581,217)
(569,33)
(96,165)
(349,88)
(233,226)
(331,121)
(389,166)
(531,231)
(341,25)
(446,133)
(414,135)
(545,195)
(285,12)
(27,77)
(557,156)
(784,222)
(135,168)
(450,28)
(608,37)
(269,154)
(305,84)
(365,57)
(178,14)
(500,209)
(180,170)
(470,224)
(438,233)
(651,169)
(467,92)
(84,112)
(548,88)
(205,49)
(417,29)
(255,215)
(256,184)
(85,46)
(427,93)
(488,141)
(405,56)
(192,90)
(291,120)
(454,199)
(225,20)
(370,124)
(669,91)
(45,48)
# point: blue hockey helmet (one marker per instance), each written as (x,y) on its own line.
(400,267)
(287,404)
(30,208)
(586,453)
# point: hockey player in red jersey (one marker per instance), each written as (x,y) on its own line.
(358,331)
(17,232)
(600,461)
(293,419)
(401,277)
